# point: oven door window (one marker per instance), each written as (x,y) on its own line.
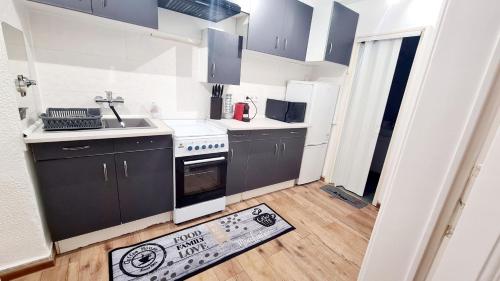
(200,178)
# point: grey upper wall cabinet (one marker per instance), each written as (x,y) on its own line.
(296,30)
(279,27)
(342,32)
(143,12)
(332,33)
(78,5)
(139,12)
(222,52)
(266,26)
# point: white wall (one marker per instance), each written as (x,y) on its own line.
(22,236)
(79,56)
(388,16)
(451,97)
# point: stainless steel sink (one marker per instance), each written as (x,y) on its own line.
(130,123)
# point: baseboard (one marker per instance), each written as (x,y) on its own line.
(76,242)
(267,189)
(231,199)
(28,268)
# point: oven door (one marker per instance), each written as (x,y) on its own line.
(200,178)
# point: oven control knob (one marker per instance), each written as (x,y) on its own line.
(190,148)
(221,145)
(210,146)
(196,147)
(216,146)
(203,147)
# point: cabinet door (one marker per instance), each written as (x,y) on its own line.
(78,5)
(143,12)
(262,163)
(296,30)
(291,150)
(237,167)
(79,195)
(224,57)
(342,32)
(145,183)
(266,26)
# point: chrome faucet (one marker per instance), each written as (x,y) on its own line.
(109,99)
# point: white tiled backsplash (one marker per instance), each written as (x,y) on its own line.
(79,57)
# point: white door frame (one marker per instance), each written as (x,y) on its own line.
(408,104)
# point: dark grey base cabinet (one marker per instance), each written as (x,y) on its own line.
(79,195)
(91,185)
(263,157)
(141,183)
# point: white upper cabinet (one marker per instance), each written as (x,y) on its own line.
(333,30)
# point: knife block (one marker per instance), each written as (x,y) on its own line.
(215,108)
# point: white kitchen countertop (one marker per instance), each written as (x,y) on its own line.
(38,135)
(257,124)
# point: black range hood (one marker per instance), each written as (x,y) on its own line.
(211,10)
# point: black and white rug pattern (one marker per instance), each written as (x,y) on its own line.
(184,253)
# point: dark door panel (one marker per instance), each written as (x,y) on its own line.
(237,167)
(145,183)
(77,5)
(291,150)
(262,163)
(296,30)
(143,12)
(79,195)
(342,33)
(224,57)
(266,26)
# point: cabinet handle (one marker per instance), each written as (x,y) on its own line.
(294,132)
(76,148)
(330,48)
(104,3)
(125,168)
(277,42)
(275,149)
(105,170)
(284,147)
(286,44)
(213,70)
(232,155)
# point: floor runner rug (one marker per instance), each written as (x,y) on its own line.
(184,253)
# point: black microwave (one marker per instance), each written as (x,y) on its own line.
(290,112)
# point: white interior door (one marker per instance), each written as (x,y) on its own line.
(370,90)
(473,251)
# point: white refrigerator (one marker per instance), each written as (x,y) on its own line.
(321,99)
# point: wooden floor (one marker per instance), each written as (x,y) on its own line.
(328,244)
